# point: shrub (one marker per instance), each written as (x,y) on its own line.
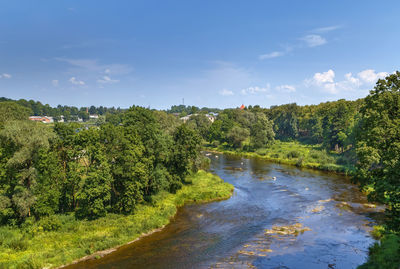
(299,162)
(215,143)
(293,154)
(174,186)
(377,232)
(51,223)
(275,155)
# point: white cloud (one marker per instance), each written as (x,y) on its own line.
(255,90)
(324,77)
(349,77)
(362,82)
(271,55)
(55,82)
(5,75)
(331,88)
(369,76)
(314,40)
(285,88)
(326,29)
(226,92)
(324,81)
(75,81)
(107,80)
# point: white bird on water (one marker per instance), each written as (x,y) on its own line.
(274,178)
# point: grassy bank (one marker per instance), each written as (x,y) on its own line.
(385,253)
(32,247)
(300,155)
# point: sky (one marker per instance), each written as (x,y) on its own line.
(208,53)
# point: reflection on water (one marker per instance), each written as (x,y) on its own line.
(278,217)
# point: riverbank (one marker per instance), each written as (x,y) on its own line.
(297,154)
(384,253)
(31,247)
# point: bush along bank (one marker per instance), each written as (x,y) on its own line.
(295,153)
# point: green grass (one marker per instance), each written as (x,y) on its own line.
(31,247)
(298,154)
(385,254)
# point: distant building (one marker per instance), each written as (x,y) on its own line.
(210,116)
(242,107)
(186,118)
(94,116)
(43,119)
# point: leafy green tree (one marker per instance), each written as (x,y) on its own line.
(285,120)
(47,189)
(201,124)
(215,132)
(125,152)
(261,133)
(237,136)
(185,150)
(95,196)
(167,122)
(10,111)
(378,145)
(23,140)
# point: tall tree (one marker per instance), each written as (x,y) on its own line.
(23,140)
(378,145)
(261,132)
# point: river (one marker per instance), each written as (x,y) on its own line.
(278,217)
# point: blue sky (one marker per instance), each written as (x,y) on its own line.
(211,53)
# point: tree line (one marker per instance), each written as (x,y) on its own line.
(69,113)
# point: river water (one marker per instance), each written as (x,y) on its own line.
(278,217)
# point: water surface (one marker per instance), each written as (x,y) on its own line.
(278,217)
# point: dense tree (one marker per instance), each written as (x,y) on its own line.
(22,142)
(201,124)
(261,132)
(378,145)
(69,113)
(10,111)
(237,136)
(185,150)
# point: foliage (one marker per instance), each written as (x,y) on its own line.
(378,146)
(10,111)
(299,154)
(261,132)
(237,136)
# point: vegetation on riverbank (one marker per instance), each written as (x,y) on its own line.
(385,253)
(31,246)
(296,153)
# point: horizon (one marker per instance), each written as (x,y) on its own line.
(213,54)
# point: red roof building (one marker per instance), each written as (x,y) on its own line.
(242,107)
